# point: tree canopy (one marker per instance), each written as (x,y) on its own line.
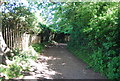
(94,25)
(93,28)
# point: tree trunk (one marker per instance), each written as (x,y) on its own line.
(3,47)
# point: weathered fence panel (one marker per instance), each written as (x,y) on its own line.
(15,39)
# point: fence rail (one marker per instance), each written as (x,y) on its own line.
(14,38)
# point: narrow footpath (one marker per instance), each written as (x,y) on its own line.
(58,63)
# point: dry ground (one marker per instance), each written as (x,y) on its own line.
(58,63)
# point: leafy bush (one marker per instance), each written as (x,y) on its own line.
(98,61)
(98,31)
(113,71)
(12,71)
(20,62)
(81,54)
(38,47)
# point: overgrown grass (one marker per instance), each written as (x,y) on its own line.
(19,62)
(106,65)
(82,54)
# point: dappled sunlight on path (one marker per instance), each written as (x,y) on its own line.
(67,65)
(40,69)
(58,63)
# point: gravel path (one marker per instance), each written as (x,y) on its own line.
(66,66)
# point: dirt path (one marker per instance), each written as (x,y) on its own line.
(68,66)
(58,63)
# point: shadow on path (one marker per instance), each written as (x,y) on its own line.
(58,63)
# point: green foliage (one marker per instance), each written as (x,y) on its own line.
(98,61)
(38,47)
(17,16)
(12,71)
(108,65)
(114,68)
(95,34)
(81,53)
(94,29)
(20,62)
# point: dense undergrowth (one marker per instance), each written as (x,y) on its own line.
(96,39)
(107,66)
(20,62)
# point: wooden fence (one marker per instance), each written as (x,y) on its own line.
(14,38)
